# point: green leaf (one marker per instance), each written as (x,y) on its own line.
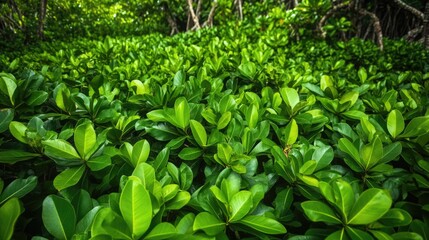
(291,132)
(146,175)
(370,206)
(252,116)
(417,126)
(84,224)
(199,133)
(308,167)
(263,224)
(290,97)
(323,156)
(6,116)
(136,207)
(161,231)
(37,98)
(99,163)
(18,188)
(9,213)
(61,151)
(344,197)
(161,159)
(406,236)
(18,130)
(346,146)
(357,234)
(318,211)
(68,177)
(396,217)
(169,191)
(362,74)
(180,200)
(224,120)
(8,86)
(395,123)
(108,222)
(190,153)
(58,217)
(379,235)
(85,139)
(338,235)
(182,112)
(283,201)
(208,223)
(240,205)
(140,152)
(14,156)
(371,153)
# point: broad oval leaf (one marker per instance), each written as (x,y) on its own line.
(240,205)
(371,153)
(180,200)
(190,153)
(108,222)
(344,197)
(68,177)
(346,146)
(370,206)
(396,217)
(85,139)
(395,123)
(62,152)
(18,130)
(18,188)
(58,217)
(263,224)
(161,231)
(290,97)
(84,224)
(14,156)
(318,211)
(199,133)
(291,132)
(9,213)
(37,98)
(140,152)
(182,112)
(136,207)
(208,223)
(6,116)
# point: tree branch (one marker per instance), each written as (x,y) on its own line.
(377,27)
(329,14)
(209,21)
(409,8)
(194,17)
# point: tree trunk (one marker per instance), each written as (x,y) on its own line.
(409,8)
(42,15)
(426,25)
(194,17)
(209,21)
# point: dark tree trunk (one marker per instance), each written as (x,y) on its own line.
(426,25)
(42,16)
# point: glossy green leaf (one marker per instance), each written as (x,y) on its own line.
(396,217)
(240,205)
(371,205)
(146,174)
(338,235)
(290,97)
(161,231)
(190,153)
(395,123)
(380,235)
(417,126)
(199,133)
(140,152)
(59,217)
(37,98)
(346,146)
(180,200)
(344,197)
(357,234)
(224,120)
(169,191)
(6,116)
(84,224)
(136,207)
(182,112)
(98,163)
(108,222)
(9,214)
(68,177)
(308,167)
(371,153)
(18,188)
(252,116)
(61,150)
(208,223)
(8,86)
(362,74)
(291,132)
(85,139)
(318,211)
(14,156)
(406,236)
(18,130)
(263,224)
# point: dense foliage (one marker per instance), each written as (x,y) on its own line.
(219,134)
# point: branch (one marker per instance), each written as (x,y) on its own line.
(412,34)
(377,27)
(209,21)
(329,14)
(194,17)
(409,8)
